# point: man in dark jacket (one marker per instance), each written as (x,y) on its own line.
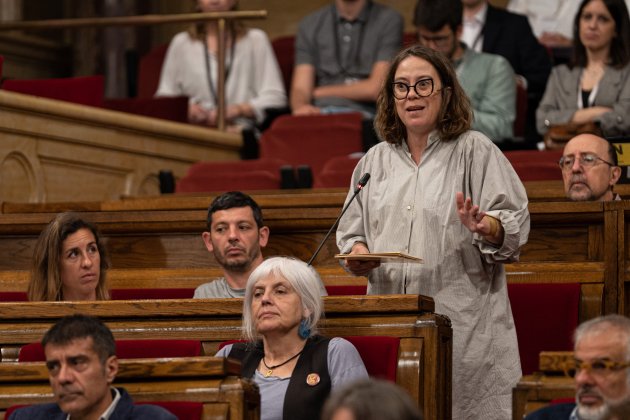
(82,364)
(497,31)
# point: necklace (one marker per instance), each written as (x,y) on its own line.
(271,368)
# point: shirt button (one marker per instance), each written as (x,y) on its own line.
(346,38)
(408,207)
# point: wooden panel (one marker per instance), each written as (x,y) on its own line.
(211,381)
(425,348)
(568,242)
(58,151)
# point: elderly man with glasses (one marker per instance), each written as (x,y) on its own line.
(589,169)
(602,358)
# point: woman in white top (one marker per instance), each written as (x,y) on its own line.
(253,78)
(595,87)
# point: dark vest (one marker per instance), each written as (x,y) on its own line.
(301,401)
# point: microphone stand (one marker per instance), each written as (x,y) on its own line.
(364,179)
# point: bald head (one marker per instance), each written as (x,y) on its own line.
(592,180)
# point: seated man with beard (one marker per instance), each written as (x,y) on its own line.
(589,169)
(602,358)
(235,236)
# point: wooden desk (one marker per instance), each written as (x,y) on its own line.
(538,390)
(426,338)
(209,380)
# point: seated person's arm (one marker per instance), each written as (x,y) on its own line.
(302,86)
(586,115)
(362,90)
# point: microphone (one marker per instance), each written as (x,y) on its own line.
(364,180)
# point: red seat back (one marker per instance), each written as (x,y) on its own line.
(80,90)
(183,410)
(259,174)
(545,315)
(536,165)
(346,290)
(138,294)
(167,108)
(312,140)
(284,49)
(129,349)
(149,70)
(521,111)
(337,172)
(13,297)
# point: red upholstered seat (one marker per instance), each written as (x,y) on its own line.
(80,90)
(129,349)
(537,171)
(346,290)
(536,165)
(284,49)
(521,111)
(312,140)
(337,172)
(183,410)
(258,174)
(138,294)
(13,297)
(545,316)
(379,354)
(171,108)
(149,70)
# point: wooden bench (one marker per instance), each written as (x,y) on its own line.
(425,337)
(131,281)
(212,381)
(550,383)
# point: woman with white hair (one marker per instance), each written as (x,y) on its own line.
(295,368)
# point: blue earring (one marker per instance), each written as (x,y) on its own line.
(304,330)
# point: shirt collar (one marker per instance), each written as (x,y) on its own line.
(574,415)
(480,16)
(110,410)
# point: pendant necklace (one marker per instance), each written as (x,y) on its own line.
(270,369)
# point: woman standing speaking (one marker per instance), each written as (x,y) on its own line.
(446,194)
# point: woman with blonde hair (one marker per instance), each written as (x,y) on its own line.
(69,262)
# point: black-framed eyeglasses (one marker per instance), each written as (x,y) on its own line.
(587,160)
(600,367)
(423,88)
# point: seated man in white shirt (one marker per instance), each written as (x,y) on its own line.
(235,236)
(81,360)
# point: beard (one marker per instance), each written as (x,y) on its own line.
(609,409)
(238,265)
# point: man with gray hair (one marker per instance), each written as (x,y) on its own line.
(602,359)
